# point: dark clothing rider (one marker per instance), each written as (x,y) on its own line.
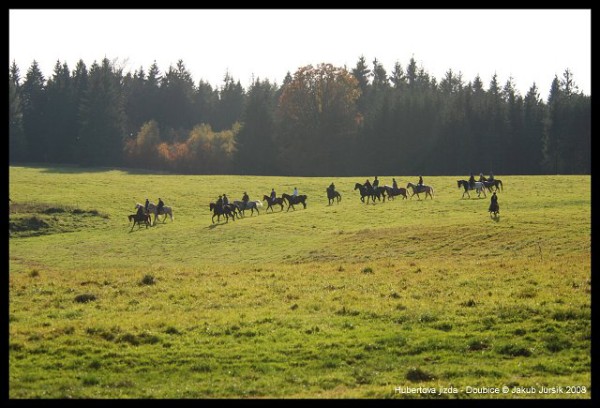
(140,212)
(471,181)
(220,202)
(245,198)
(420,183)
(394,184)
(225,200)
(146,205)
(273,195)
(332,187)
(494,203)
(375,183)
(159,207)
(368,185)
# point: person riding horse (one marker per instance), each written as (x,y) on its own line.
(159,207)
(141,212)
(368,186)
(245,199)
(219,202)
(225,200)
(420,182)
(146,205)
(491,178)
(394,185)
(471,182)
(273,195)
(375,183)
(331,187)
(494,203)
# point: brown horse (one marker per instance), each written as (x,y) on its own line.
(270,203)
(416,189)
(138,219)
(392,192)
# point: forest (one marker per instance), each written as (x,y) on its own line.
(322,120)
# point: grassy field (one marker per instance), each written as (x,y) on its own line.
(341,301)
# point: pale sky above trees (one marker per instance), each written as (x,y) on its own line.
(530,45)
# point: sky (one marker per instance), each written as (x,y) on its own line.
(527,45)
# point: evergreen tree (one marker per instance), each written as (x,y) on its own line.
(256,150)
(16,136)
(102,131)
(34,113)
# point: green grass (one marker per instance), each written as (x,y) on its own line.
(341,301)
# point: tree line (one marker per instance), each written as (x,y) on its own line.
(322,120)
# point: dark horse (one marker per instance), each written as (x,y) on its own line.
(271,203)
(491,183)
(138,219)
(494,209)
(393,192)
(300,199)
(370,193)
(332,195)
(226,211)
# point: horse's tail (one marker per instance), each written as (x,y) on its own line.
(500,182)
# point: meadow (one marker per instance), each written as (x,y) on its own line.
(385,300)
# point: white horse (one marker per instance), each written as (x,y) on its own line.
(152,210)
(478,186)
(250,205)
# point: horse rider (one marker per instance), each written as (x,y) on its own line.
(146,205)
(295,192)
(273,195)
(220,202)
(375,183)
(332,187)
(245,199)
(160,206)
(368,186)
(471,181)
(481,178)
(420,183)
(494,203)
(225,200)
(491,176)
(394,184)
(140,212)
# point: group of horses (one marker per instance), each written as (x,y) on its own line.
(145,217)
(237,208)
(380,192)
(479,186)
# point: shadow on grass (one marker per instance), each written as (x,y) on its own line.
(75,169)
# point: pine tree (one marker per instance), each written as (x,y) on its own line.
(34,113)
(17,141)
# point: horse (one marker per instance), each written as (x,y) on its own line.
(152,209)
(372,193)
(392,192)
(138,219)
(270,203)
(226,211)
(300,199)
(250,205)
(477,186)
(416,189)
(332,195)
(494,209)
(489,183)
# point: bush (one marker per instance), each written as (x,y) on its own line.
(84,298)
